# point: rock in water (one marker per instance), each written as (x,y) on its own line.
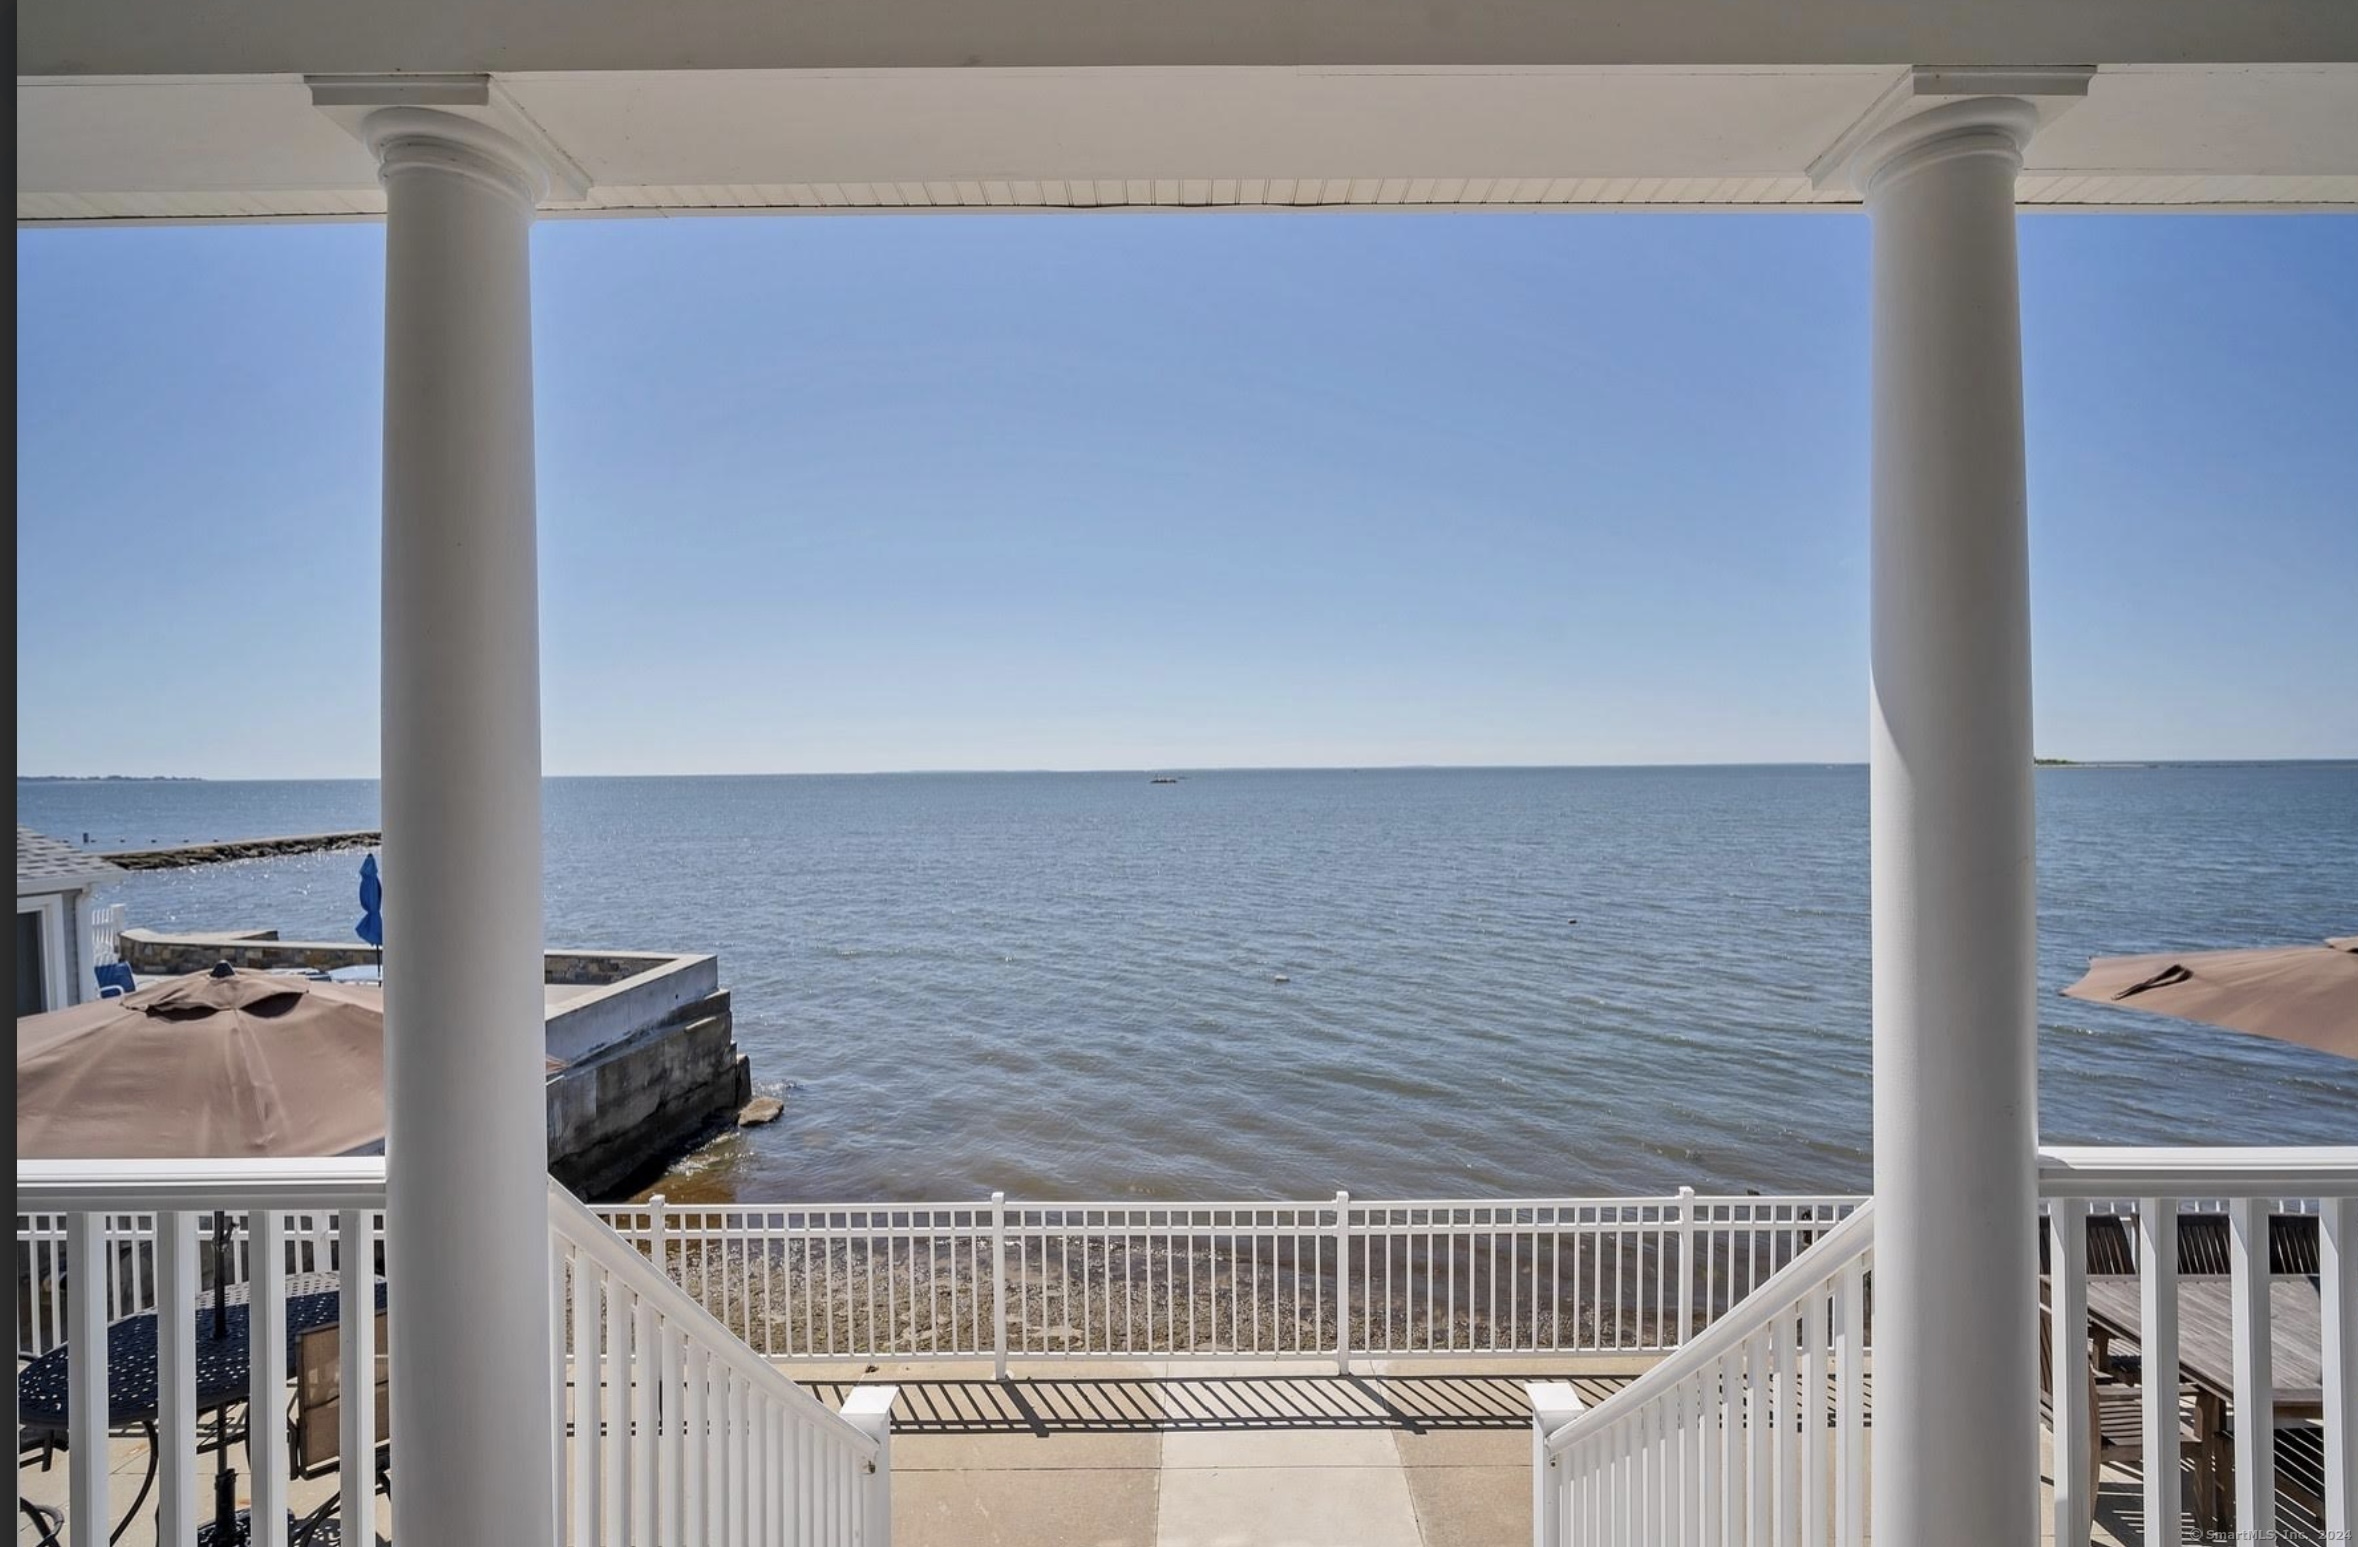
(760,1110)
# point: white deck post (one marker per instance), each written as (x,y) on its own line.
(1343,1283)
(1686,1265)
(869,1410)
(1956,1430)
(1553,1405)
(998,1286)
(466,1151)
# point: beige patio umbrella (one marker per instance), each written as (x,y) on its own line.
(2297,993)
(217,1065)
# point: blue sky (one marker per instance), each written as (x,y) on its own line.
(1136,491)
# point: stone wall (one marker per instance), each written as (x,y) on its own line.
(154,954)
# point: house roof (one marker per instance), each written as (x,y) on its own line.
(49,865)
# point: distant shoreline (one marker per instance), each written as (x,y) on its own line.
(111,779)
(1196,772)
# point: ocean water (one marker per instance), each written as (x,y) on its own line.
(1400,982)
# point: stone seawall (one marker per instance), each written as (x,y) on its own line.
(619,1118)
(184,855)
(160,955)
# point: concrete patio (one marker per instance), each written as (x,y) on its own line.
(1249,1454)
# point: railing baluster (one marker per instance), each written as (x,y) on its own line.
(671,1466)
(1689,1423)
(2067,1359)
(1810,1408)
(176,1389)
(736,1460)
(1785,1410)
(646,1405)
(2157,1264)
(1624,1484)
(86,1359)
(560,1497)
(1710,1461)
(356,1392)
(1757,1474)
(697,1529)
(588,1389)
(2337,1289)
(707,1441)
(266,1328)
(2255,1380)
(615,1408)
(1850,1477)
(1732,1487)
(1659,1484)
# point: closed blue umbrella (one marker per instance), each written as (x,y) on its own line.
(371,927)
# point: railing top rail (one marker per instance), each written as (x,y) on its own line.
(576,1222)
(1303,1205)
(2245,1171)
(148,1186)
(1830,1254)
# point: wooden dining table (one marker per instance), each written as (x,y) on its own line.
(2206,1353)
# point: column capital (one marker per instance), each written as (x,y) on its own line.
(421,138)
(1931,112)
(465,124)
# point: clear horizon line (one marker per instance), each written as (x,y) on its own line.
(1181,768)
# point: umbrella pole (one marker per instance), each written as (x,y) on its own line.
(220,1274)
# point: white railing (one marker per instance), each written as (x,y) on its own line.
(106,933)
(669,1430)
(1729,1438)
(2254,1185)
(1738,1437)
(127,1255)
(134,1226)
(1332,1279)
(684,1434)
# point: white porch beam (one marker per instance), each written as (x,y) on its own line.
(466,1147)
(1956,1057)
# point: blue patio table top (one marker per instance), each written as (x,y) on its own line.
(223,1364)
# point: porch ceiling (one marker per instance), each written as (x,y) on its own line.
(162,109)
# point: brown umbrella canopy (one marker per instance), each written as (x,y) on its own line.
(2300,993)
(227,1065)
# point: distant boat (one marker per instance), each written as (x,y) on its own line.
(1162,779)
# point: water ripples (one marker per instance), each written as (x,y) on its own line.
(1067,985)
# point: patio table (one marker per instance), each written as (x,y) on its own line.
(224,1373)
(223,1364)
(2206,1350)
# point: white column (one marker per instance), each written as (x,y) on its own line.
(1956,1430)
(467,1146)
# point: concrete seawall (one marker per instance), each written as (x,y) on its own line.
(644,1043)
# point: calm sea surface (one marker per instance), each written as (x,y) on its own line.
(1284,983)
